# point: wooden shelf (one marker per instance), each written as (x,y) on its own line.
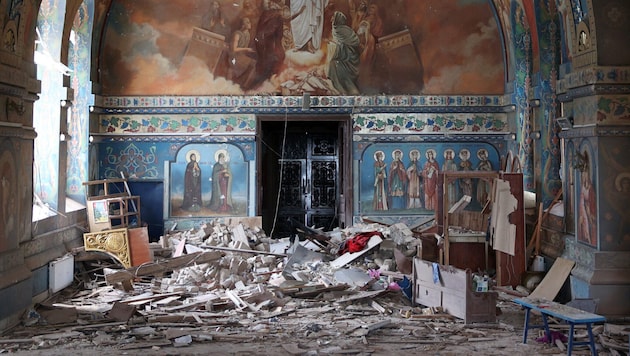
(122,209)
(103,189)
(111,210)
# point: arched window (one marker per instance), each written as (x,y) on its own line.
(60,115)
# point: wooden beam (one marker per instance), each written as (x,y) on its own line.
(161,267)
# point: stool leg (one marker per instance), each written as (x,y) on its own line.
(591,341)
(546,325)
(526,325)
(570,345)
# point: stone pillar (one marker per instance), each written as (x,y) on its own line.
(595,96)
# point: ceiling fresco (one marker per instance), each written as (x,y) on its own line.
(287,47)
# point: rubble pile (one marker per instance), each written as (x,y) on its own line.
(231,285)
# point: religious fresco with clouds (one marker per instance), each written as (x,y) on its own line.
(287,47)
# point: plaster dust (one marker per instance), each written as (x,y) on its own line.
(318,332)
(239,300)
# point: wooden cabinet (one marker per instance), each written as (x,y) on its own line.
(453,292)
(471,251)
(475,217)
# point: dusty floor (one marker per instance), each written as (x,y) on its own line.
(312,329)
(239,303)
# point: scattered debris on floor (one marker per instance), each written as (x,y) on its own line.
(344,291)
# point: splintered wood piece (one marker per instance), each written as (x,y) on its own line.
(554,279)
(122,311)
(378,325)
(139,246)
(163,266)
(59,315)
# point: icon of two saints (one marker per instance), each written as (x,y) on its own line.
(221,181)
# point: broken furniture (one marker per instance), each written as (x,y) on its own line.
(469,251)
(450,178)
(554,279)
(437,285)
(112,242)
(572,316)
(110,208)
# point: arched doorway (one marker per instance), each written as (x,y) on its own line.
(303,171)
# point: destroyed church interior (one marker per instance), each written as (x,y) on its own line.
(315,177)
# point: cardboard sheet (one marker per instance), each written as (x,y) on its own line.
(502,231)
(554,279)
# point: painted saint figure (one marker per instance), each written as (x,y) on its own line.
(397,181)
(343,56)
(379,201)
(192,184)
(430,173)
(450,166)
(587,206)
(483,186)
(466,184)
(268,41)
(242,61)
(221,200)
(415,188)
(215,22)
(307,24)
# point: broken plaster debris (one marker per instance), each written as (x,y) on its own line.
(236,296)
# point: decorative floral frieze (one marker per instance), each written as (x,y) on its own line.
(429,123)
(237,102)
(123,124)
(613,110)
(589,76)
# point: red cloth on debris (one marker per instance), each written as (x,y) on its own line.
(358,242)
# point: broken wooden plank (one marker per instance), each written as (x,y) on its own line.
(228,249)
(161,267)
(317,291)
(378,325)
(145,298)
(378,307)
(121,311)
(139,246)
(554,279)
(59,315)
(362,295)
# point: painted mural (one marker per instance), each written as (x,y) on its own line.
(208,180)
(288,47)
(401,178)
(586,186)
(569,191)
(137,160)
(78,122)
(615,181)
(189,124)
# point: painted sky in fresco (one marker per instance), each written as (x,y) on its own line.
(454,49)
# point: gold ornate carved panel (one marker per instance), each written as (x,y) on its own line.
(112,242)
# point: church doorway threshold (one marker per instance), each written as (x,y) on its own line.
(304,165)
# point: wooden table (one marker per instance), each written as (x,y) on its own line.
(572,316)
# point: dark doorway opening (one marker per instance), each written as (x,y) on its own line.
(302,173)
